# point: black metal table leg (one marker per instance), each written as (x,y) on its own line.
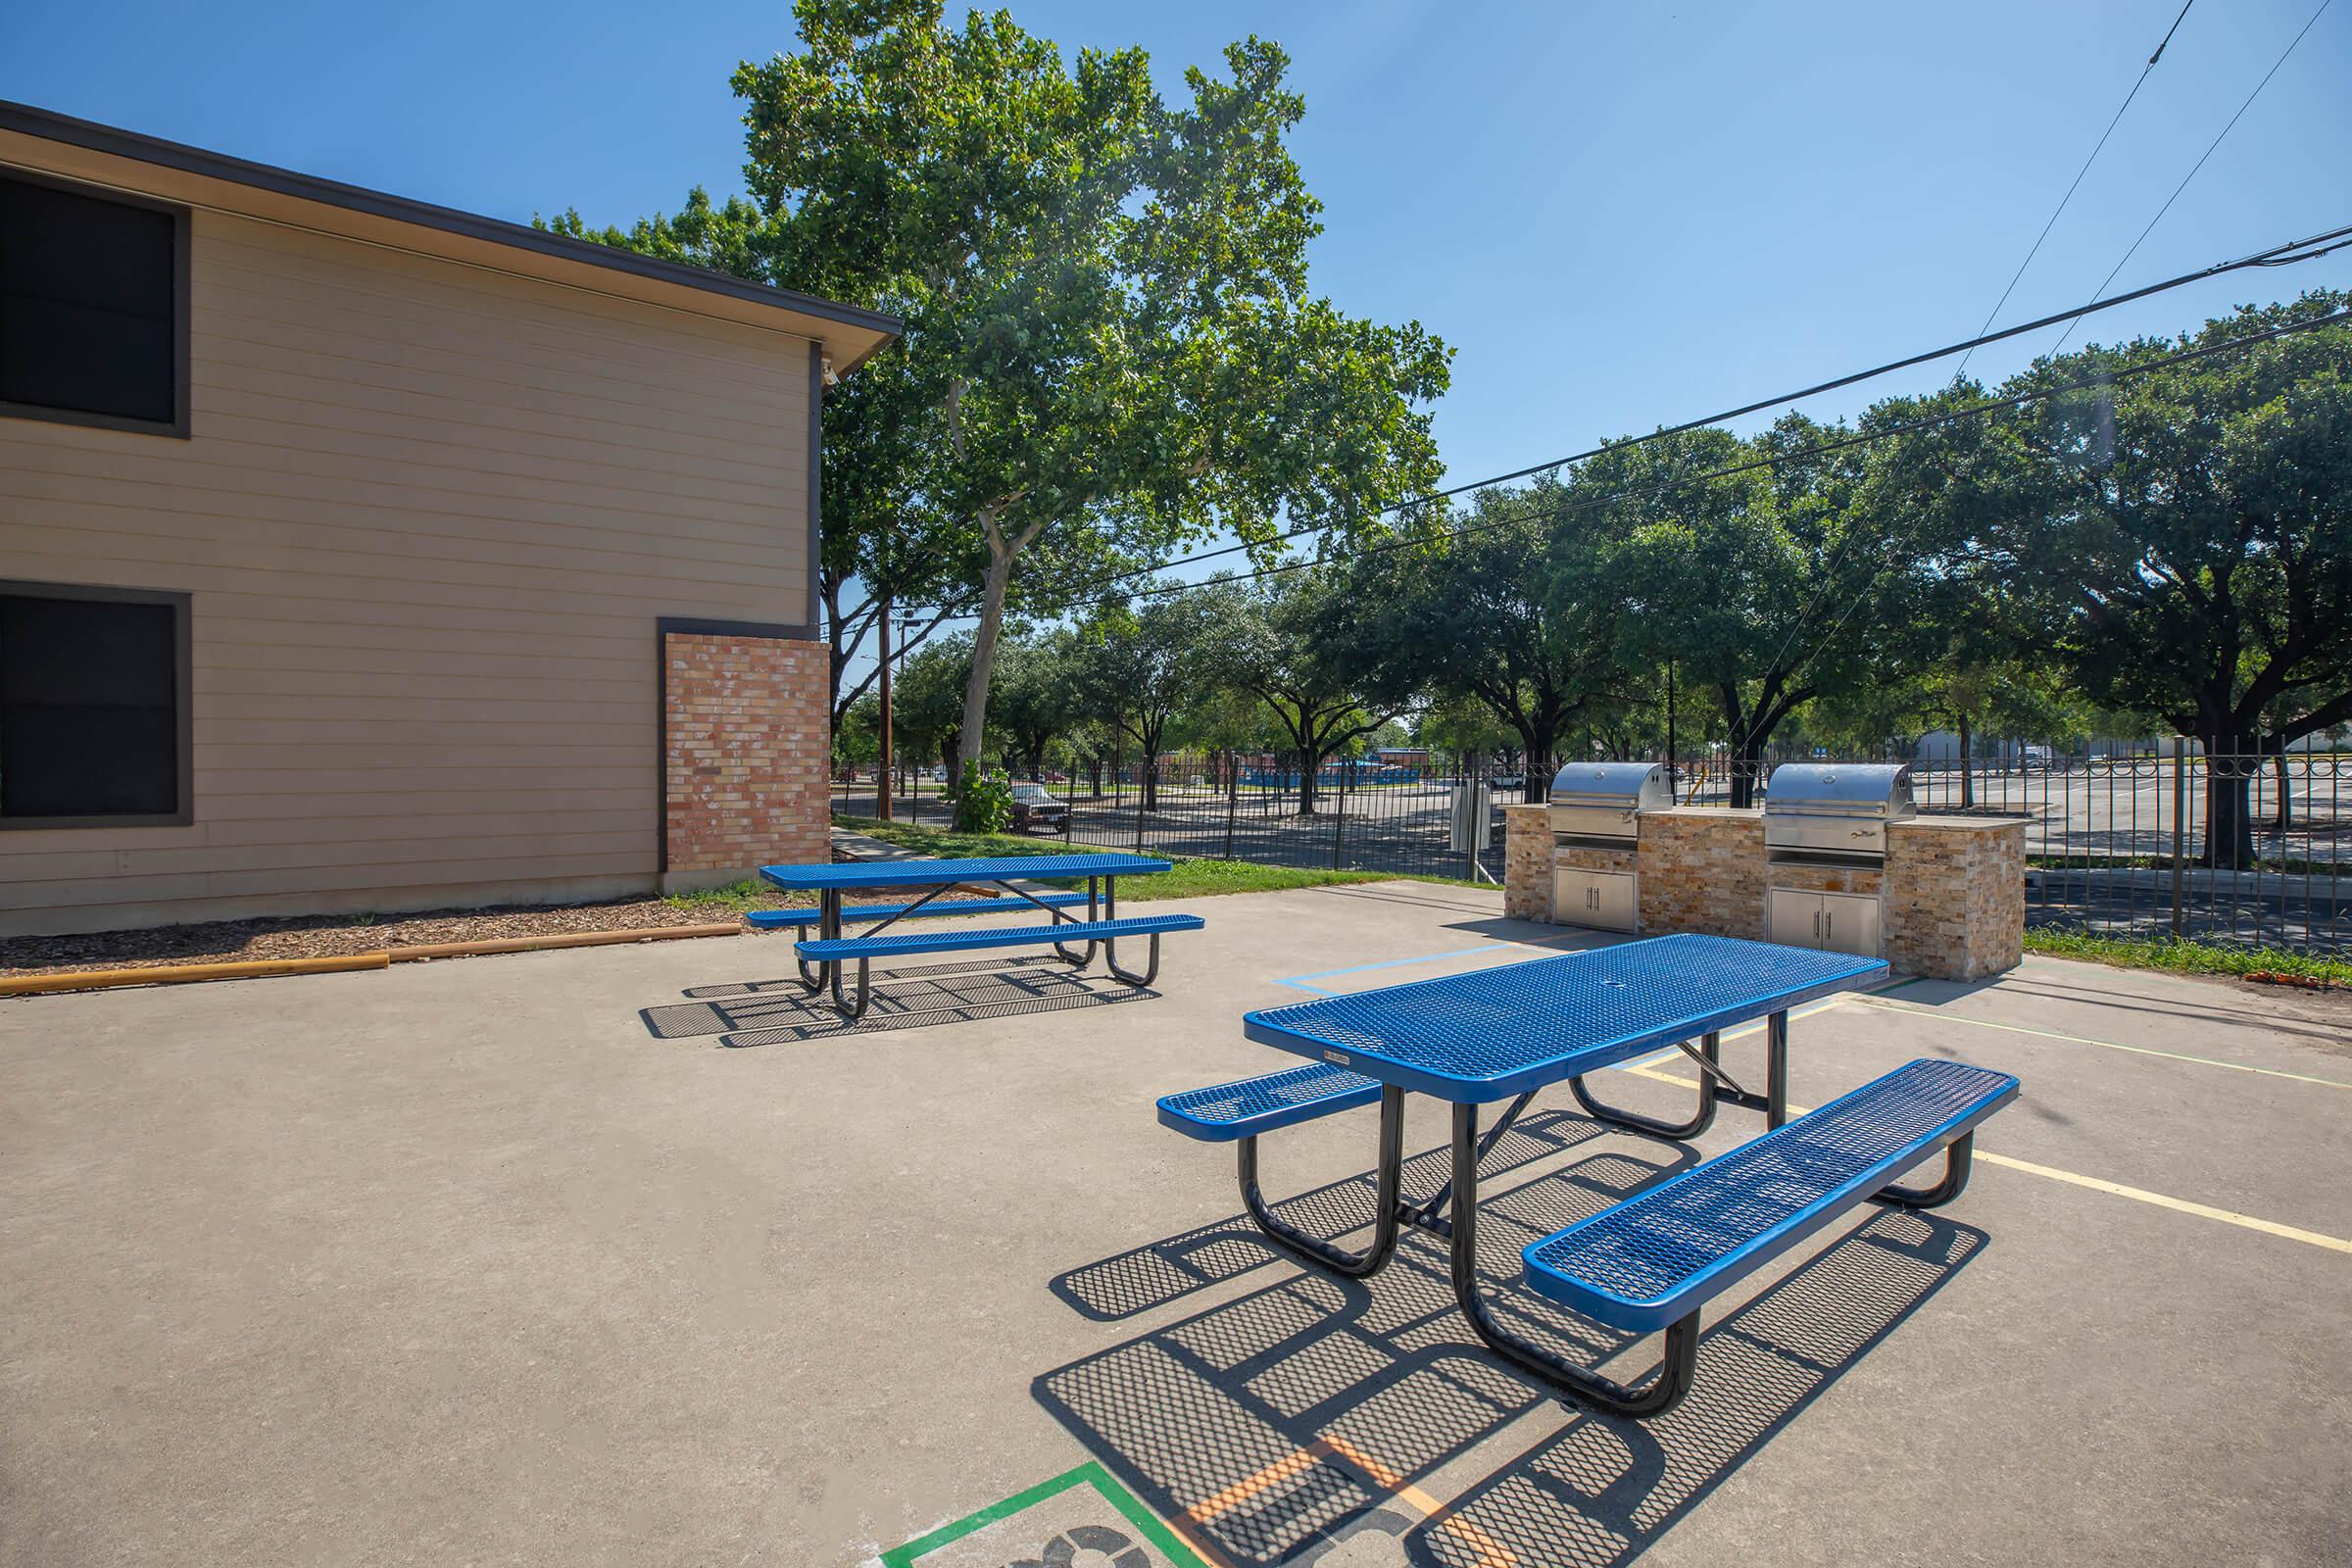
(1957,1160)
(1710,1053)
(828,926)
(1573,1382)
(1388,1180)
(1111,948)
(1080,961)
(1776,1069)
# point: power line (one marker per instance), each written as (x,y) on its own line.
(2144,71)
(2103,378)
(2281,255)
(2199,163)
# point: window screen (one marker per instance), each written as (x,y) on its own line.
(88,305)
(89,707)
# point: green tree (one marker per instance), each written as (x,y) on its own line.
(927,701)
(1769,587)
(1137,667)
(1106,294)
(1512,607)
(1035,695)
(1296,642)
(2190,533)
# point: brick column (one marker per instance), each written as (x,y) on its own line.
(747,755)
(1702,870)
(1526,862)
(1956,896)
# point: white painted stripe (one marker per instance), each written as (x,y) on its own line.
(2084,1039)
(2099,1183)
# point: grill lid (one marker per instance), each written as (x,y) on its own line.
(1877,790)
(1620,786)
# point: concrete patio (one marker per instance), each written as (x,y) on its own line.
(626,1255)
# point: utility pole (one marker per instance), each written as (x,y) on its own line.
(882,773)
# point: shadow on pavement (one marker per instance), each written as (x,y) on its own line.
(1176,1266)
(770,1012)
(1282,1425)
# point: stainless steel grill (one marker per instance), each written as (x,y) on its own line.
(1599,806)
(1835,811)
(1601,803)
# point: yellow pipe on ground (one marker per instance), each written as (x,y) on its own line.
(173,974)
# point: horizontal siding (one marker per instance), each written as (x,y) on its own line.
(429,515)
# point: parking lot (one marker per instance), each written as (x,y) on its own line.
(629,1255)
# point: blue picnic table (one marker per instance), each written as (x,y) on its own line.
(1506,1033)
(822,959)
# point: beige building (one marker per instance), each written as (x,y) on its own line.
(358,554)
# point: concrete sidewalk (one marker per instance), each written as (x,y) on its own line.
(628,1255)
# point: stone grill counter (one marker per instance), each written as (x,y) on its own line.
(1954,886)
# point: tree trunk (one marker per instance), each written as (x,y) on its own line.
(984,650)
(1968,774)
(1308,762)
(2228,802)
(1746,763)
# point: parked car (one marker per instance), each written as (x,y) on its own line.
(1034,811)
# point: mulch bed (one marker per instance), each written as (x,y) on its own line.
(326,936)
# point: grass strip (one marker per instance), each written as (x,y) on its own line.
(1191,878)
(2185,956)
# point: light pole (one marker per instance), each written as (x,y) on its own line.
(883,790)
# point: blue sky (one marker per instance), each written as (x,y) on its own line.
(1620,216)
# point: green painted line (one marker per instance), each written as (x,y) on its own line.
(1089,1473)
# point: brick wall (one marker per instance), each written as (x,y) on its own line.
(1702,871)
(1956,896)
(1527,862)
(747,752)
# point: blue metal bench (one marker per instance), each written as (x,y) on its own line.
(1653,1260)
(1223,1112)
(776,919)
(829,949)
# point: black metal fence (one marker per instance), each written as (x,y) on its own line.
(2247,850)
(1359,816)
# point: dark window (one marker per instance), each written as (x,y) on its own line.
(93,706)
(91,308)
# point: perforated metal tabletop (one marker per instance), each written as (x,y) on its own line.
(929,873)
(1496,1033)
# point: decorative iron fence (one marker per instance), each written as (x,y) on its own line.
(2243,850)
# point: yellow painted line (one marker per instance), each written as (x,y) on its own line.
(2334,1244)
(2085,1040)
(1491,1554)
(1745,1031)
(2099,1183)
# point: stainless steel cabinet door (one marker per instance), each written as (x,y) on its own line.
(1605,901)
(1850,923)
(1614,904)
(1792,917)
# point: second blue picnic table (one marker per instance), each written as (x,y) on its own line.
(832,946)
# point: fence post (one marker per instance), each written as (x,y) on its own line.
(1233,797)
(2180,823)
(1339,815)
(1140,792)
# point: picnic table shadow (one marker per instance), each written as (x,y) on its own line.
(769,1012)
(1282,1425)
(1156,1273)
